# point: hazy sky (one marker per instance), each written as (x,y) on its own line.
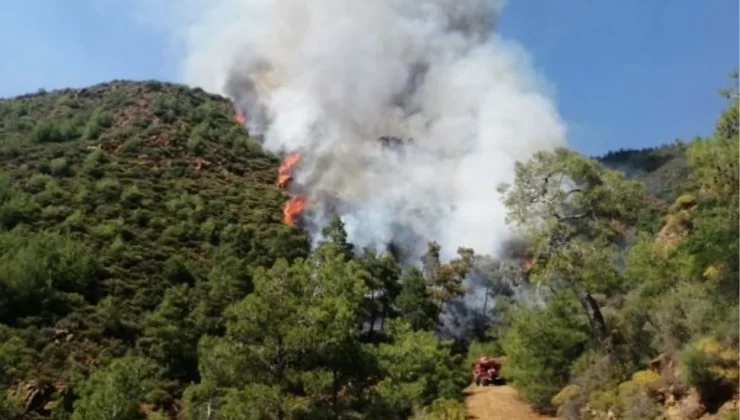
(627,73)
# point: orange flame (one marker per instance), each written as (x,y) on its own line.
(286,169)
(297,203)
(293,208)
(240,117)
(526,264)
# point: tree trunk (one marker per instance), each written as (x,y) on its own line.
(595,317)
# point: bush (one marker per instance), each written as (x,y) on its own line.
(683,313)
(60,167)
(16,207)
(116,391)
(35,269)
(37,183)
(94,163)
(98,122)
(595,378)
(50,132)
(712,368)
(132,196)
(196,144)
(109,189)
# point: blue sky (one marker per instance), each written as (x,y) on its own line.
(628,73)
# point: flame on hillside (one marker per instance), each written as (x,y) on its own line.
(297,203)
(285,172)
(293,209)
(526,264)
(240,117)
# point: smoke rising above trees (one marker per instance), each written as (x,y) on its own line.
(328,78)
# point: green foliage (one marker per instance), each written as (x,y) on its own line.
(295,328)
(415,301)
(115,392)
(540,346)
(145,273)
(298,331)
(663,169)
(16,207)
(416,370)
(665,289)
(92,249)
(40,274)
(51,131)
(712,368)
(99,121)
(584,213)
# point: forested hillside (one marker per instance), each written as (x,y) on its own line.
(136,218)
(640,314)
(663,169)
(146,272)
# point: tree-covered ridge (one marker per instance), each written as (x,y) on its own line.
(110,196)
(663,169)
(145,272)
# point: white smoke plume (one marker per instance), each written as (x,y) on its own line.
(327,78)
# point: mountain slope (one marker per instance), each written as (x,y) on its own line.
(663,169)
(118,192)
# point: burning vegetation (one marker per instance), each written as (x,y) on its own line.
(297,202)
(240,116)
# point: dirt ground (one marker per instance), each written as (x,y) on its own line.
(498,403)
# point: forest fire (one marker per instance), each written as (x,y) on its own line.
(293,209)
(240,117)
(286,169)
(517,249)
(526,264)
(297,203)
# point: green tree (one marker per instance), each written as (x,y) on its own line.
(415,303)
(334,238)
(115,392)
(42,274)
(170,334)
(293,332)
(384,286)
(713,242)
(576,215)
(416,369)
(540,346)
(228,282)
(446,280)
(15,206)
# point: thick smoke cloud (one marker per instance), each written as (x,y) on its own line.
(329,77)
